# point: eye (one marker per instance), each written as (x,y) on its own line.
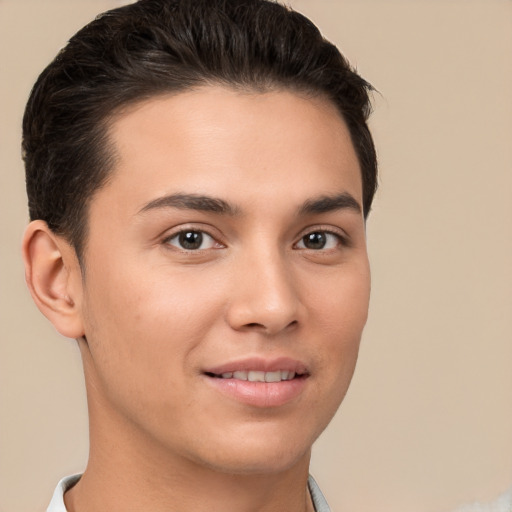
(191,240)
(318,240)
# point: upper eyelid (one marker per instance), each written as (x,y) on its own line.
(324,229)
(172,232)
(177,233)
(340,238)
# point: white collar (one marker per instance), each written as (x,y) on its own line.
(57,503)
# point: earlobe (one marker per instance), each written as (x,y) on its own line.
(53,276)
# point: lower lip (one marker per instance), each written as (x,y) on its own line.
(260,394)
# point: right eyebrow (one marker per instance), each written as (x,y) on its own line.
(192,202)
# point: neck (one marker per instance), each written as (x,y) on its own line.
(129,472)
(120,483)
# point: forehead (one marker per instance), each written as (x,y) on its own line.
(219,140)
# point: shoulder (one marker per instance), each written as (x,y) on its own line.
(502,503)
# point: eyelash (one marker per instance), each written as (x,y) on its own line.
(341,239)
(200,232)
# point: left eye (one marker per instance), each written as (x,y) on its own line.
(318,240)
(191,240)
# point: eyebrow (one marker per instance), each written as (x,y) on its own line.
(325,204)
(192,202)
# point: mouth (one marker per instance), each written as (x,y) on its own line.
(258,376)
(260,383)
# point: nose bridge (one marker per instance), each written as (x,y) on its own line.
(265,294)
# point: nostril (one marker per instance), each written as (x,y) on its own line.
(254,324)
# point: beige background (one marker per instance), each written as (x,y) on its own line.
(427,424)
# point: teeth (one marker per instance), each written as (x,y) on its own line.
(273,376)
(258,376)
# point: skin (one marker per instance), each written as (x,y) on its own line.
(151,316)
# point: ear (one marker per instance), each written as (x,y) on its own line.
(54,278)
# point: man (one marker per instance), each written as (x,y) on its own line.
(199,174)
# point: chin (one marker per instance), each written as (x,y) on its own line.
(258,466)
(260,457)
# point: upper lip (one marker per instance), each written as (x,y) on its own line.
(260,364)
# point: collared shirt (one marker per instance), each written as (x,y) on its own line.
(57,503)
(503,503)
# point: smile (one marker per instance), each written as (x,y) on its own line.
(257,376)
(260,382)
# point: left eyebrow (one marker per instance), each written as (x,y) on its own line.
(325,204)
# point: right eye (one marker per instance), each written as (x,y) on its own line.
(191,240)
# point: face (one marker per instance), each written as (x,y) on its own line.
(227,279)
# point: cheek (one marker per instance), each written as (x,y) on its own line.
(147,325)
(341,311)
(341,304)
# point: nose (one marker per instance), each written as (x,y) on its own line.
(264,295)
